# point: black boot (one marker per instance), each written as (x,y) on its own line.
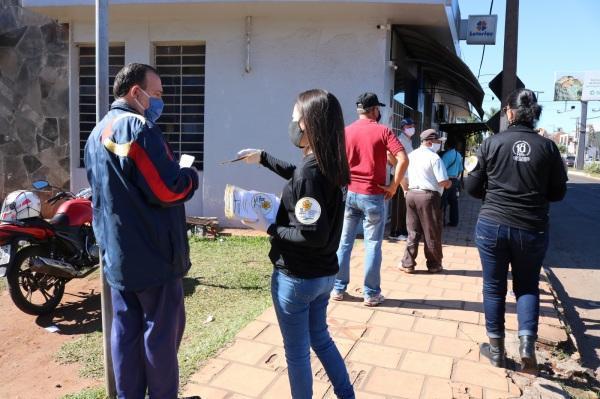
(527,352)
(495,352)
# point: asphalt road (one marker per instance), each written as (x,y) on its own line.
(573,262)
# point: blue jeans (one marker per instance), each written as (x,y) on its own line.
(370,210)
(146,333)
(498,246)
(301,308)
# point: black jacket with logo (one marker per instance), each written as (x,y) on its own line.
(518,173)
(308,226)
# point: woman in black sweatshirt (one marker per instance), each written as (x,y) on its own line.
(518,173)
(305,238)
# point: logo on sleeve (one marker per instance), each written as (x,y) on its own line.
(308,210)
(521,151)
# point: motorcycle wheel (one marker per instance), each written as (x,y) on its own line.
(32,292)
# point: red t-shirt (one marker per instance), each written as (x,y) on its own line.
(367,143)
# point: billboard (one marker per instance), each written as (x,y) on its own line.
(568,86)
(591,86)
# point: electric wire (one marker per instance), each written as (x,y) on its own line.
(483,51)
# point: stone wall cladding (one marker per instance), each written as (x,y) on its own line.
(34,99)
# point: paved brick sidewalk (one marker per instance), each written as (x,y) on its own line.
(423,342)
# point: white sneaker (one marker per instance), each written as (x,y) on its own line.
(337,295)
(374,300)
(399,237)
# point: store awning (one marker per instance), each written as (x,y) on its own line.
(441,65)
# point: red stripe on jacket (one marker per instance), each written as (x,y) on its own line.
(150,173)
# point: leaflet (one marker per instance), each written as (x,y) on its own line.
(242,204)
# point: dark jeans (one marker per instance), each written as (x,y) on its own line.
(500,245)
(450,198)
(146,333)
(424,220)
(398,214)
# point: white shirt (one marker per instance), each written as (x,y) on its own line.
(406,143)
(425,170)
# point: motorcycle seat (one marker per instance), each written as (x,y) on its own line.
(60,220)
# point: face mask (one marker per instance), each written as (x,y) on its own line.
(295,133)
(435,147)
(378,116)
(409,131)
(154,109)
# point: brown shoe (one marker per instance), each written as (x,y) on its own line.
(436,269)
(407,270)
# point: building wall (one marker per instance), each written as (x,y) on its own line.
(34,128)
(288,55)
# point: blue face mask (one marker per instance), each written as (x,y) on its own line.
(155,108)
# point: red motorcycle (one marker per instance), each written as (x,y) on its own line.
(38,256)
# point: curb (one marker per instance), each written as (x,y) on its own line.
(583,174)
(560,310)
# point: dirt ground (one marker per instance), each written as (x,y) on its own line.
(27,366)
(27,351)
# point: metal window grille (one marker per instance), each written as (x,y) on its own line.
(181,69)
(87,87)
(401,111)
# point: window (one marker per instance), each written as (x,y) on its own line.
(87,88)
(181,69)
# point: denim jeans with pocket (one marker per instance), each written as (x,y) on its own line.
(370,210)
(500,245)
(301,309)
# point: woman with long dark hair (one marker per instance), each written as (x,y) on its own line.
(518,173)
(305,237)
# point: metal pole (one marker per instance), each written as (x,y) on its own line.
(101,109)
(580,159)
(509,67)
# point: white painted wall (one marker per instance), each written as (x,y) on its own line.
(345,56)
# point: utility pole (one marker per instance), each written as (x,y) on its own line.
(580,159)
(101,109)
(509,67)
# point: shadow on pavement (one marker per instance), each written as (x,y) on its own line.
(79,314)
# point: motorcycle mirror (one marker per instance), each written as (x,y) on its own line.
(40,184)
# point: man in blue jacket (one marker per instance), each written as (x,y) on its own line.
(139,221)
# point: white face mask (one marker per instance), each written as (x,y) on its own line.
(435,147)
(409,131)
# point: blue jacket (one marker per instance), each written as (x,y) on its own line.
(138,194)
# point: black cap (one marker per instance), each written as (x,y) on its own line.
(368,100)
(406,122)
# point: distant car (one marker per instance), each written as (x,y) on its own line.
(570,161)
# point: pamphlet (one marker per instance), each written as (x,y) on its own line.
(243,204)
(186,161)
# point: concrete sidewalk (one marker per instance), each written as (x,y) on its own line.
(423,342)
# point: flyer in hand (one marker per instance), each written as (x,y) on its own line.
(241,204)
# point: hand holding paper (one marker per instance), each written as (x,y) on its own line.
(250,155)
(261,223)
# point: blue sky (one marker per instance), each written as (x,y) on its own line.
(554,36)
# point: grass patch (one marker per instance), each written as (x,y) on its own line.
(2,284)
(229,281)
(89,393)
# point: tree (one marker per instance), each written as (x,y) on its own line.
(562,148)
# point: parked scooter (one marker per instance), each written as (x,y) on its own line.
(38,256)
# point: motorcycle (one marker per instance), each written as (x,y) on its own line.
(38,256)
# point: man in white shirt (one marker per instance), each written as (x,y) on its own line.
(427,179)
(398,231)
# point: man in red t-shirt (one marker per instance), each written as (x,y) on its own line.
(367,144)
